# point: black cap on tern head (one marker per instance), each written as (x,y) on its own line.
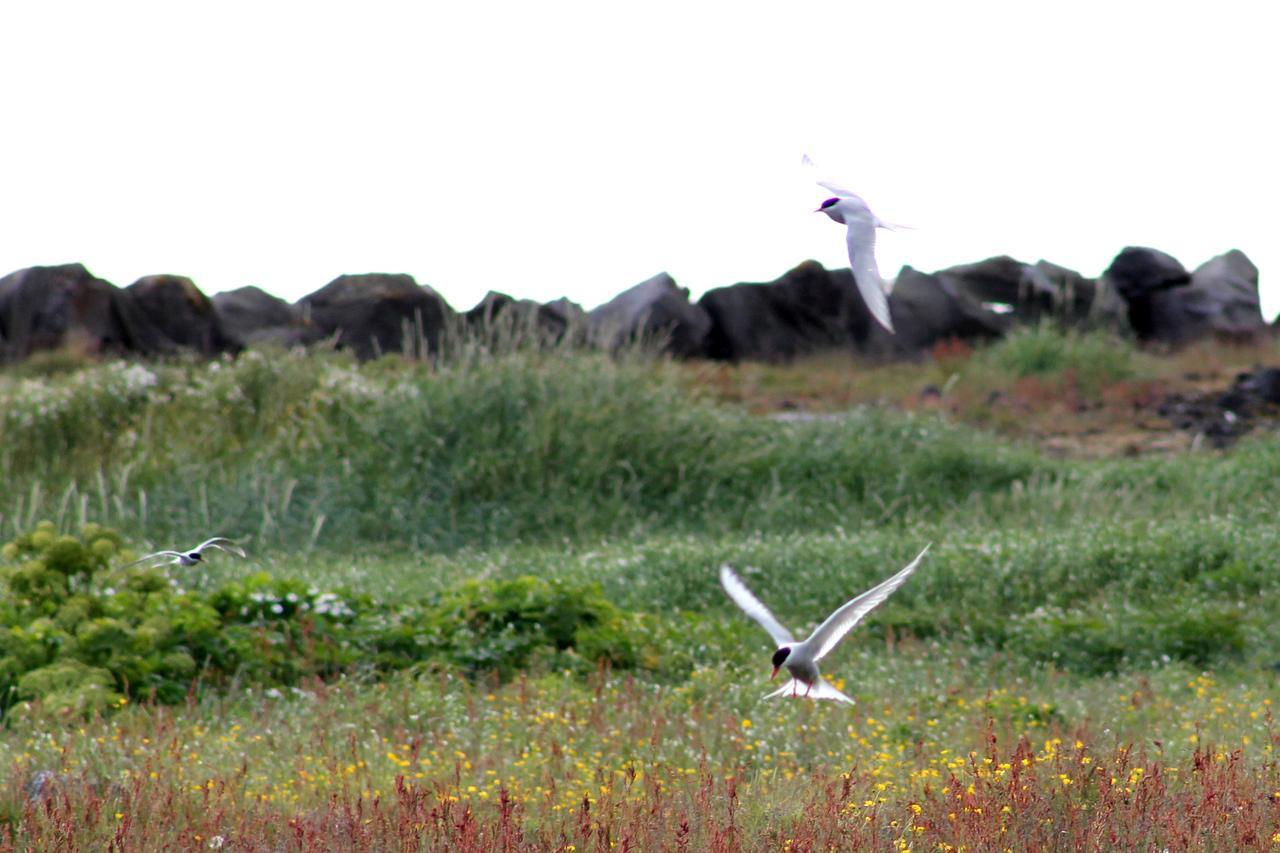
(195,555)
(828,203)
(781,655)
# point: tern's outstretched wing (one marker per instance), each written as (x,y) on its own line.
(222,544)
(752,607)
(861,239)
(830,632)
(836,190)
(821,689)
(157,558)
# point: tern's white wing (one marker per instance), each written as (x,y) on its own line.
(821,689)
(838,191)
(861,239)
(157,557)
(753,607)
(839,623)
(222,544)
(834,189)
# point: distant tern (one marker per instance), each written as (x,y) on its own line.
(801,659)
(850,210)
(192,557)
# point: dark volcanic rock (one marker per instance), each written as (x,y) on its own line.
(1140,276)
(1139,272)
(44,308)
(1222,417)
(654,310)
(377,313)
(1003,281)
(176,307)
(1030,292)
(1073,292)
(570,313)
(809,309)
(1168,304)
(253,316)
(1222,297)
(499,315)
(930,308)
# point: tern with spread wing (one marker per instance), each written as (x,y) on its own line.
(851,211)
(801,658)
(192,557)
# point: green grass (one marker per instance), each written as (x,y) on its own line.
(1120,602)
(530,446)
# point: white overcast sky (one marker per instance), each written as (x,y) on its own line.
(547,149)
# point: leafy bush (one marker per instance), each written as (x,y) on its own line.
(79,636)
(503,626)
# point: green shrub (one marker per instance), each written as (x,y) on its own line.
(503,626)
(69,687)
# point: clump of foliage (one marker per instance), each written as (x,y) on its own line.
(1094,359)
(1105,639)
(82,637)
(64,638)
(503,625)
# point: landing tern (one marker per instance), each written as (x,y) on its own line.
(192,557)
(801,658)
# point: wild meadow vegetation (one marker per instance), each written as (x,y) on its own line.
(480,610)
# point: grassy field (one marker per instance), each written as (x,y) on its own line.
(1086,659)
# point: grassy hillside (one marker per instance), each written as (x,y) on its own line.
(1115,609)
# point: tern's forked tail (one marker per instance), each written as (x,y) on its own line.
(821,689)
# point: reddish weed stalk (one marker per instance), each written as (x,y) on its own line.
(1014,796)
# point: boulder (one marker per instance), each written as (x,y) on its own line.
(1030,292)
(656,310)
(1109,310)
(43,308)
(809,309)
(377,313)
(250,315)
(176,307)
(928,308)
(570,313)
(1168,304)
(1073,293)
(1141,277)
(1222,298)
(499,315)
(1003,281)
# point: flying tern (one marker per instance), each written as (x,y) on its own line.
(801,658)
(851,211)
(192,557)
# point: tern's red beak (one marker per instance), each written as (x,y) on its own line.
(775,673)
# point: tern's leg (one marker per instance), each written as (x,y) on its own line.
(808,688)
